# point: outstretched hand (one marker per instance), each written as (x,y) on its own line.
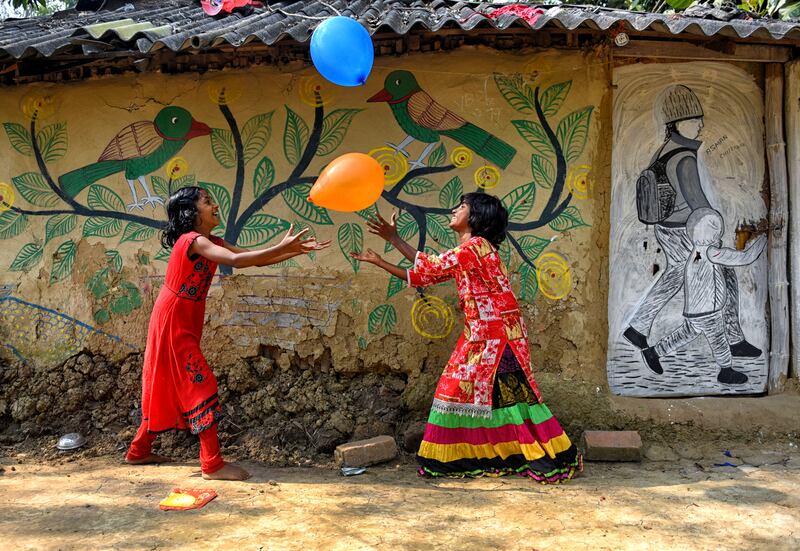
(380,227)
(369,256)
(294,242)
(311,245)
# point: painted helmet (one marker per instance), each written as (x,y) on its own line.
(680,104)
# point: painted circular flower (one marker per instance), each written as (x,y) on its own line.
(177,168)
(487,177)
(555,280)
(223,93)
(316,92)
(394,164)
(36,106)
(432,317)
(461,157)
(6,197)
(579,181)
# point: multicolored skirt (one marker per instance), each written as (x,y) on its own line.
(521,437)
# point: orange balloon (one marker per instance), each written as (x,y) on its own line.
(349,183)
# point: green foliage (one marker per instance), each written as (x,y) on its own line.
(334,127)
(52,141)
(528,283)
(33,187)
(553,98)
(570,218)
(438,156)
(572,133)
(20,138)
(100,226)
(439,230)
(295,198)
(102,198)
(11,224)
(382,318)
(28,256)
(534,134)
(351,239)
(543,171)
(137,232)
(263,177)
(450,195)
(519,202)
(222,147)
(63,260)
(406,228)
(260,229)
(518,94)
(419,186)
(58,225)
(396,284)
(255,135)
(295,137)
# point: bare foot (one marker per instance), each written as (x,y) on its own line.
(151,459)
(228,472)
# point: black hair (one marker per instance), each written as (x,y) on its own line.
(181,215)
(488,218)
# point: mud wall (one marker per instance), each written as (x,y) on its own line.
(322,347)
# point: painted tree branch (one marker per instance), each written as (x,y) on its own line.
(561,163)
(236,197)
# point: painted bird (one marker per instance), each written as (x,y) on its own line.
(137,150)
(424,119)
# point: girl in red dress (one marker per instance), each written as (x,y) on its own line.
(487,417)
(179,390)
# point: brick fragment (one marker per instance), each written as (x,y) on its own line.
(612,445)
(362,453)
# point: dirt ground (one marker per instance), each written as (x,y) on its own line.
(77,502)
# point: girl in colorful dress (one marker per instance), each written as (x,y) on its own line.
(179,390)
(487,417)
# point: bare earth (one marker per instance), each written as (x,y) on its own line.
(101,503)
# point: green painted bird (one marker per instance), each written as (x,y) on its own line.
(137,150)
(423,119)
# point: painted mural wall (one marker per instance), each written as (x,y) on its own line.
(89,165)
(688,270)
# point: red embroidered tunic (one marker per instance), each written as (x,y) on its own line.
(492,321)
(179,391)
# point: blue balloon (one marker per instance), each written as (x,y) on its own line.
(342,51)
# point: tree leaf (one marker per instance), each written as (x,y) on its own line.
(255,135)
(553,98)
(528,283)
(33,187)
(505,252)
(351,239)
(100,226)
(27,257)
(163,255)
(58,225)
(544,173)
(369,213)
(11,224)
(63,260)
(295,136)
(383,317)
(295,198)
(137,232)
(396,284)
(438,156)
(519,202)
(20,138)
(440,232)
(572,132)
(114,259)
(102,198)
(221,197)
(261,228)
(263,177)
(533,246)
(679,4)
(534,134)
(450,195)
(406,228)
(53,141)
(419,186)
(569,218)
(334,128)
(160,186)
(518,94)
(222,147)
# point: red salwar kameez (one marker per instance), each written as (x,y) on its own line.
(179,391)
(487,417)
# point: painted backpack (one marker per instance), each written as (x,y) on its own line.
(655,195)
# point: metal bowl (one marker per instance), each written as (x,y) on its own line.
(71,441)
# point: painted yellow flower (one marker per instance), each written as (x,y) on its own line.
(316,92)
(177,168)
(6,197)
(223,93)
(555,279)
(394,164)
(432,317)
(487,177)
(461,157)
(579,181)
(37,106)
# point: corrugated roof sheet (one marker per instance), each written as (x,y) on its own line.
(181,24)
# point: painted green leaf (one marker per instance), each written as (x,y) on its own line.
(63,260)
(160,186)
(534,134)
(382,318)
(505,252)
(28,256)
(127,301)
(100,226)
(53,141)
(261,228)
(162,255)
(450,195)
(396,284)
(221,197)
(406,228)
(334,128)
(137,232)
(544,173)
(296,199)
(102,198)
(100,284)
(518,94)
(11,224)
(533,246)
(519,202)
(438,156)
(302,225)
(58,225)
(362,343)
(101,316)
(263,177)
(255,135)
(572,132)
(369,213)
(553,98)
(33,187)
(291,263)
(114,259)
(295,137)
(351,239)
(569,218)
(440,232)
(419,186)
(222,147)
(528,283)
(20,138)
(183,181)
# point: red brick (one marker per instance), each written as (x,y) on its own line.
(362,453)
(612,445)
